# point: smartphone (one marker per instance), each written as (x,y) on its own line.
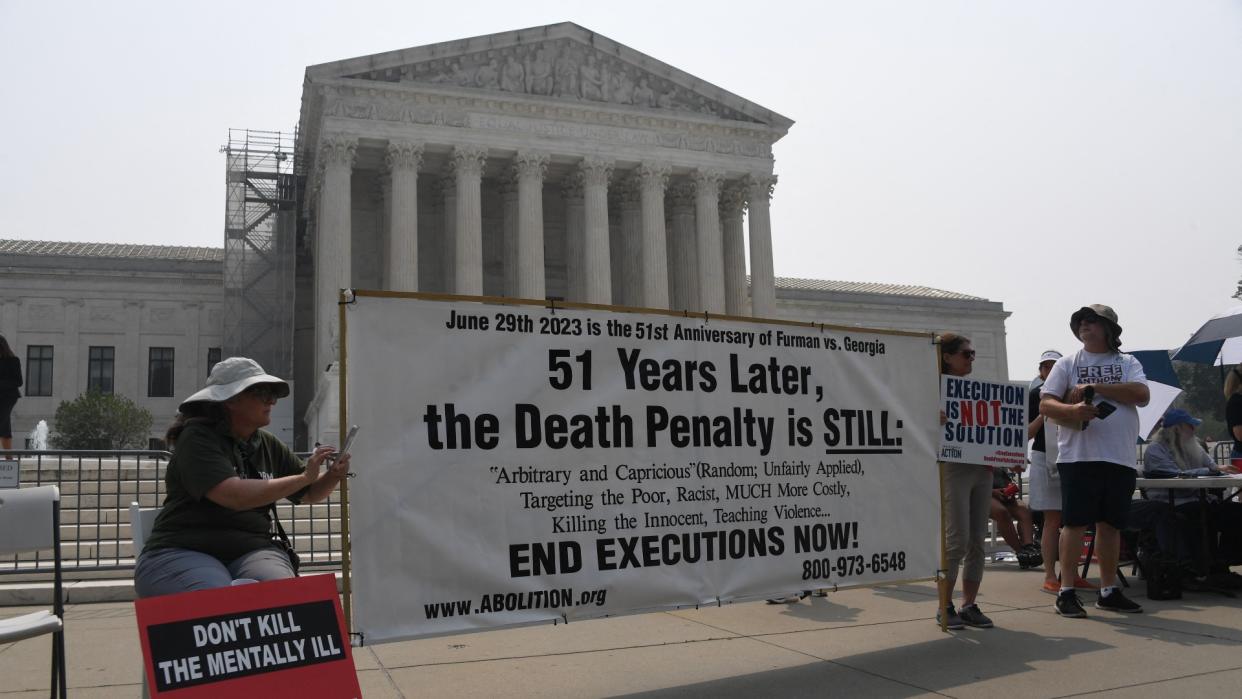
(1104,409)
(349,440)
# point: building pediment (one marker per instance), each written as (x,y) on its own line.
(560,63)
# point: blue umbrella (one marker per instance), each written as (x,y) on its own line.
(1218,341)
(1158,366)
(1161,382)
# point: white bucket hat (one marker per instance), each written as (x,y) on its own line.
(232,376)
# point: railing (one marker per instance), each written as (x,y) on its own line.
(96,490)
(1221,451)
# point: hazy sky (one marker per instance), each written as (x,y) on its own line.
(1043,154)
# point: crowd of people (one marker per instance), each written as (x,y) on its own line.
(218,522)
(1083,430)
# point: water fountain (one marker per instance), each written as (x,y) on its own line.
(39,436)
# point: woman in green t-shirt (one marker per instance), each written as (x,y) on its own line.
(223,480)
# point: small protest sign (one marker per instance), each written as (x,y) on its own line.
(10,473)
(985,422)
(270,639)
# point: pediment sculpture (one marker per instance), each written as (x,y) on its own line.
(558,68)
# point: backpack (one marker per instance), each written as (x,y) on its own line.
(1162,571)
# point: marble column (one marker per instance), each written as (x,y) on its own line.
(531,168)
(403,160)
(383,207)
(336,155)
(652,179)
(575,223)
(683,266)
(632,272)
(762,278)
(598,280)
(509,199)
(448,234)
(468,162)
(732,201)
(707,239)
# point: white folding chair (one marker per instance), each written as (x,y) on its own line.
(30,521)
(141,521)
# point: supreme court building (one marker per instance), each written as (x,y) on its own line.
(549,162)
(545,162)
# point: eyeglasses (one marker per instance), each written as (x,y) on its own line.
(969,354)
(266,393)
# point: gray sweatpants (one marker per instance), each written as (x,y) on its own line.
(967,501)
(169,571)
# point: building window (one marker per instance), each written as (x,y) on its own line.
(160,372)
(213,358)
(99,369)
(38,370)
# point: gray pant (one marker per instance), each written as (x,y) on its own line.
(967,501)
(169,571)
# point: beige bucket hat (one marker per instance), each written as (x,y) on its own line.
(232,376)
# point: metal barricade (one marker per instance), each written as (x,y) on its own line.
(1221,451)
(97,488)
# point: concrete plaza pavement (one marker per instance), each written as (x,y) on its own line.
(873,642)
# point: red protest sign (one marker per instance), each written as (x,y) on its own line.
(283,638)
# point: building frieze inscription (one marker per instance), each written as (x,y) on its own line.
(613,134)
(380,109)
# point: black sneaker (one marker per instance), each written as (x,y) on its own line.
(1227,580)
(971,615)
(954,622)
(1068,605)
(1117,602)
(1037,555)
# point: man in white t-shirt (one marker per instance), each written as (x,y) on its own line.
(1094,394)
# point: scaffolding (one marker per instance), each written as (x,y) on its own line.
(260,235)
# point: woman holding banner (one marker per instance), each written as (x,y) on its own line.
(224,479)
(966,490)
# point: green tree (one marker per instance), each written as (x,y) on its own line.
(1238,294)
(97,420)
(1203,396)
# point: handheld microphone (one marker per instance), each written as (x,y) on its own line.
(1088,395)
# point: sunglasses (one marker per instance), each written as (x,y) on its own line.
(969,354)
(264,392)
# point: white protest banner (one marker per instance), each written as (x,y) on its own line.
(986,421)
(521,465)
